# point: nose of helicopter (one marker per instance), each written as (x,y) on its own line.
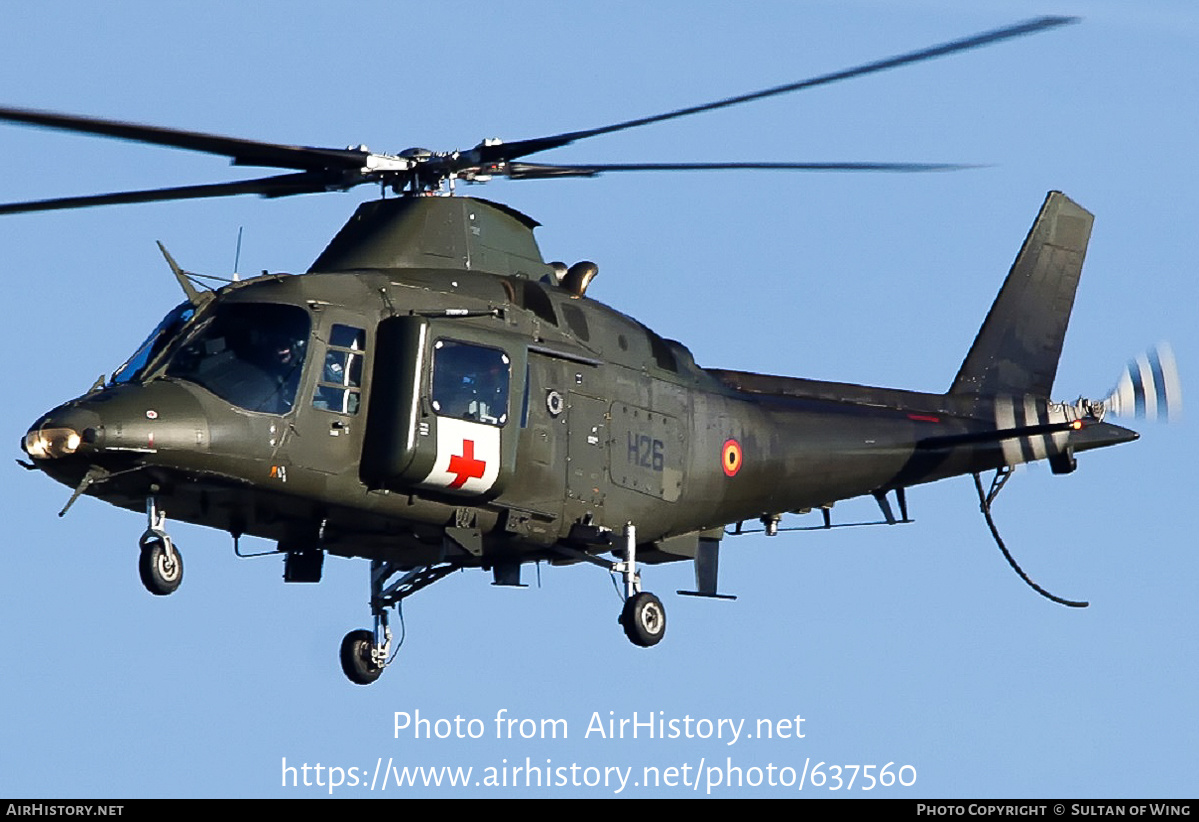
(125,419)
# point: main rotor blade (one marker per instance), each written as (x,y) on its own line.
(523,148)
(280,185)
(530,171)
(242,152)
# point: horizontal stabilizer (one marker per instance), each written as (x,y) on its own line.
(1017,349)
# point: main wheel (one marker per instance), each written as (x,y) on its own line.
(356,658)
(644,619)
(161,572)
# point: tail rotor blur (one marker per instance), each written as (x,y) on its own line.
(1149,388)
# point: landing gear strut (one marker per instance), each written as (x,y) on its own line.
(643,616)
(160,565)
(364,654)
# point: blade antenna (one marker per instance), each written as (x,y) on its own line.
(985,500)
(236,254)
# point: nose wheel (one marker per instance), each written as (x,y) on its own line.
(160,565)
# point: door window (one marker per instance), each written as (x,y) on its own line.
(470,382)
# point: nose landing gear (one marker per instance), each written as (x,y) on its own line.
(160,565)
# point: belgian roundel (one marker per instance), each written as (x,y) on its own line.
(730,457)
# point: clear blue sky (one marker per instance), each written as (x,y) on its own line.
(913,645)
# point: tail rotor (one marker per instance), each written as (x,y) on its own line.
(1148,388)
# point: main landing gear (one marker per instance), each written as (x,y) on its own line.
(364,653)
(160,565)
(643,616)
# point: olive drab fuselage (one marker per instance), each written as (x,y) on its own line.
(433,396)
(448,414)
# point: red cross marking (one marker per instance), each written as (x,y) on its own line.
(466,466)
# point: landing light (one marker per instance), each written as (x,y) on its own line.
(52,442)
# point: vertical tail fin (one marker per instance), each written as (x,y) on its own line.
(1017,349)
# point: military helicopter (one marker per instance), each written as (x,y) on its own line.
(431,395)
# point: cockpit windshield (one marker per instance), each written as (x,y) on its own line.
(248,354)
(158,340)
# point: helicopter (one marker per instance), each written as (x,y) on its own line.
(433,396)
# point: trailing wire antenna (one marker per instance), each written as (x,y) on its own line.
(985,501)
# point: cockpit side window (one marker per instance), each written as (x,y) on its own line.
(249,354)
(470,382)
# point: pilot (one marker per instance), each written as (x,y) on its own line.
(284,364)
(284,353)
